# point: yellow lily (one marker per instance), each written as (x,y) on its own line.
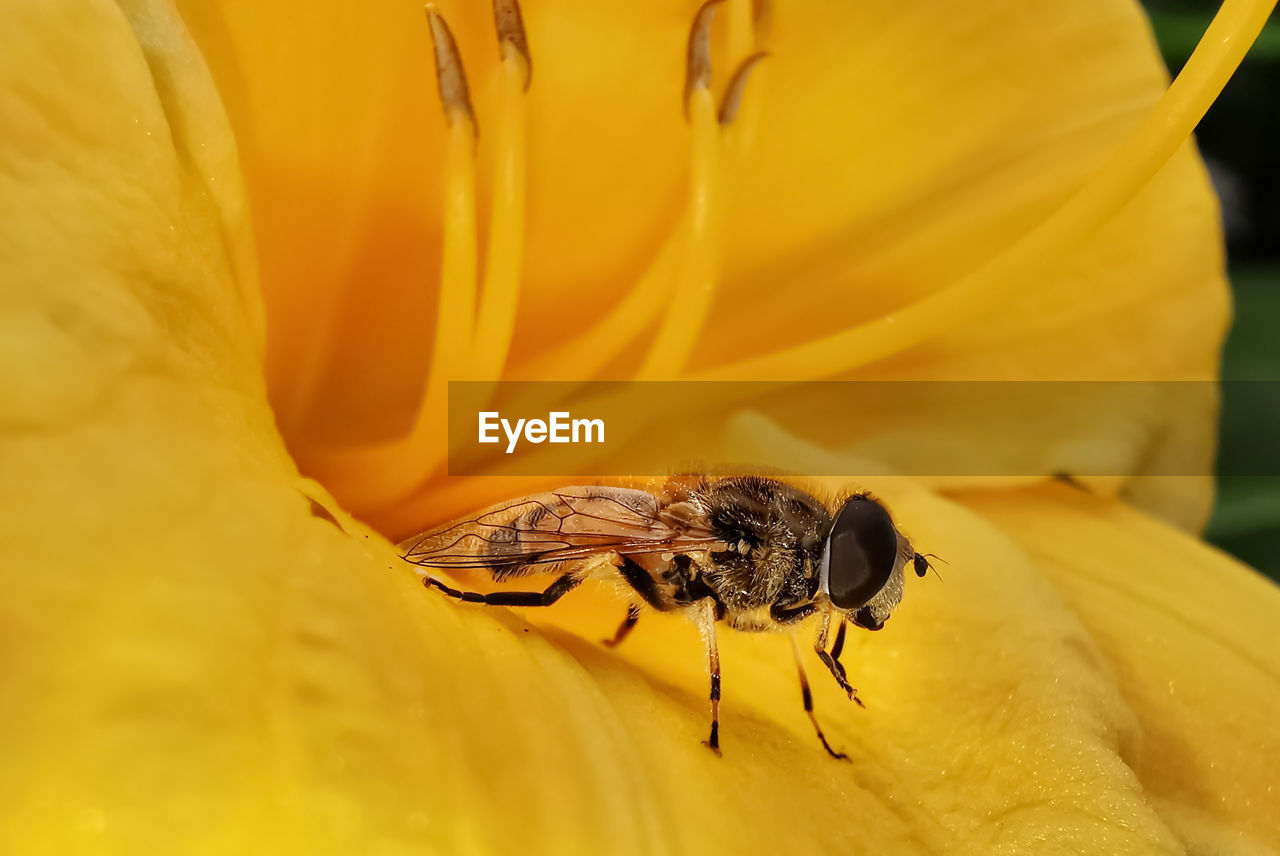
(197,658)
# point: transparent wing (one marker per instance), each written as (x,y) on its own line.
(569,524)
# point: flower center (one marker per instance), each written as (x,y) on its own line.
(474,326)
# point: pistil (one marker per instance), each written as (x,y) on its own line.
(982,292)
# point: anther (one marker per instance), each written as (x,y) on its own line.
(452,81)
(698,63)
(737,85)
(510,25)
(500,290)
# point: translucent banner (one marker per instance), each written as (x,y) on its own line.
(924,428)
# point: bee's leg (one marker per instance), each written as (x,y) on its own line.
(785,616)
(624,629)
(838,647)
(706,620)
(640,580)
(831,660)
(806,695)
(553,592)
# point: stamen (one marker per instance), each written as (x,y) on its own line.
(698,60)
(592,350)
(737,84)
(695,278)
(451,80)
(755,18)
(1167,127)
(509,23)
(499,294)
(455,313)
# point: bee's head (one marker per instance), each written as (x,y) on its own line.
(862,562)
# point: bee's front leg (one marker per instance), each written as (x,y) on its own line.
(832,660)
(837,648)
(806,697)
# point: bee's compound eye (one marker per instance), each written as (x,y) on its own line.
(860,553)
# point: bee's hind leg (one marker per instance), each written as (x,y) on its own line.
(806,695)
(550,595)
(624,629)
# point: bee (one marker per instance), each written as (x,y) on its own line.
(752,552)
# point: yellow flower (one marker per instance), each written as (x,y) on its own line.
(196,658)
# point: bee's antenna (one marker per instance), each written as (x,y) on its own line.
(922,564)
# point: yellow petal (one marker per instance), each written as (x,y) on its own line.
(1191,637)
(894,162)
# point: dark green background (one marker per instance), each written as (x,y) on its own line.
(1240,140)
